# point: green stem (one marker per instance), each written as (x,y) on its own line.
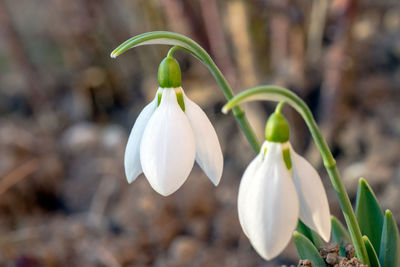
(279,107)
(276,93)
(173,49)
(187,44)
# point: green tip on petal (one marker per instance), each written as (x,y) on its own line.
(179,98)
(286,158)
(169,73)
(277,129)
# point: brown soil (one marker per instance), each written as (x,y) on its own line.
(330,253)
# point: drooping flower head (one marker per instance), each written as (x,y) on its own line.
(169,134)
(278,188)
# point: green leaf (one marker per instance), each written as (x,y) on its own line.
(340,235)
(389,254)
(310,234)
(373,258)
(306,250)
(369,214)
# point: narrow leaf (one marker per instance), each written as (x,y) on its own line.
(389,254)
(310,234)
(373,258)
(369,214)
(340,235)
(306,250)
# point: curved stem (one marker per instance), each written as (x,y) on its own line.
(172,50)
(187,44)
(279,107)
(276,93)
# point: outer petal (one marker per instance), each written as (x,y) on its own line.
(314,206)
(268,205)
(132,152)
(208,150)
(245,189)
(168,148)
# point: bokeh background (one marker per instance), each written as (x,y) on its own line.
(66,109)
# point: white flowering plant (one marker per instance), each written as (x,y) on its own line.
(281,195)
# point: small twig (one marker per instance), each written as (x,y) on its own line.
(100,199)
(18,174)
(107,257)
(97,252)
(22,235)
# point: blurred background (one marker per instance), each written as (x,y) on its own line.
(66,109)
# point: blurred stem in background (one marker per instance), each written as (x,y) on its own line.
(316,29)
(17,51)
(215,33)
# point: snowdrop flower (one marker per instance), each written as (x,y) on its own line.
(279,187)
(169,134)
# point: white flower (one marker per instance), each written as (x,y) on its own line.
(278,187)
(166,140)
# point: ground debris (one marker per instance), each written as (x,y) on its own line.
(354,262)
(330,254)
(305,263)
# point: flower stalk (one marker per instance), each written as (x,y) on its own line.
(275,93)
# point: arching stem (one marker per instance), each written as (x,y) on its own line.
(172,50)
(279,107)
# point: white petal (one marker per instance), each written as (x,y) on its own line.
(168,148)
(268,205)
(132,152)
(244,189)
(208,150)
(314,206)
